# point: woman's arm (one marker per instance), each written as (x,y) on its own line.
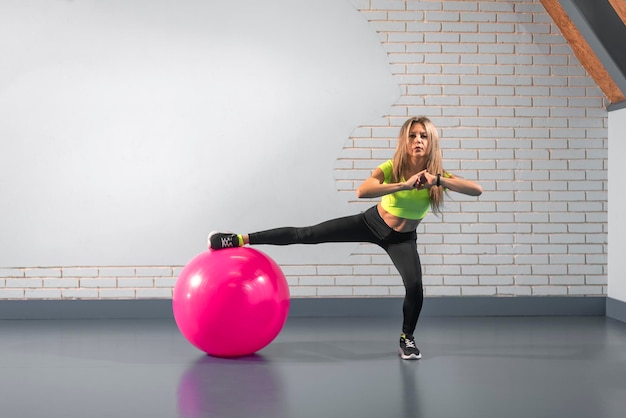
(450,182)
(374,185)
(461,185)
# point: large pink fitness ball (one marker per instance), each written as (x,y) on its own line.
(231,302)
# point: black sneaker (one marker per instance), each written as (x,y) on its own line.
(220,240)
(408,350)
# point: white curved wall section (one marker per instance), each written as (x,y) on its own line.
(129,130)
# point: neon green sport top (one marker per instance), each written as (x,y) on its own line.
(408,204)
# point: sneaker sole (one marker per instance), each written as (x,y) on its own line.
(410,356)
(208,240)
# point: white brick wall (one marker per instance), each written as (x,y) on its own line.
(88,282)
(516,111)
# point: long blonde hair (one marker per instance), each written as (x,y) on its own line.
(434,164)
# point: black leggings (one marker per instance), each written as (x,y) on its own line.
(370,227)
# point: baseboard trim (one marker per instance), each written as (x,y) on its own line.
(326,307)
(616,309)
(453,306)
(86,309)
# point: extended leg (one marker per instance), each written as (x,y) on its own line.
(347,229)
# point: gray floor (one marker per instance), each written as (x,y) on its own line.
(324,367)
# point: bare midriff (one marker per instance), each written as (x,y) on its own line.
(396,223)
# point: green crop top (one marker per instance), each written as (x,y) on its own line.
(408,204)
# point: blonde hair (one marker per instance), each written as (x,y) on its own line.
(434,164)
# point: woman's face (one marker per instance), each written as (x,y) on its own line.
(418,141)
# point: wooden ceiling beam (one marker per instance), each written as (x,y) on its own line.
(583,51)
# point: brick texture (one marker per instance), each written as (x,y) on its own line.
(516,112)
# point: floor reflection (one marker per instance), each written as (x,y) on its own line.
(411,402)
(216,387)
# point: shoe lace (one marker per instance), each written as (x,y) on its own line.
(226,242)
(409,343)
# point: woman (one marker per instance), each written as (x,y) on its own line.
(408,185)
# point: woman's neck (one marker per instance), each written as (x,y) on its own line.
(417,164)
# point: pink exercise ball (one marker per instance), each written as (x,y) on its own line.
(231,302)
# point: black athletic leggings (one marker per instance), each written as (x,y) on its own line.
(370,227)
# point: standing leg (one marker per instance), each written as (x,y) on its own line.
(406,259)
